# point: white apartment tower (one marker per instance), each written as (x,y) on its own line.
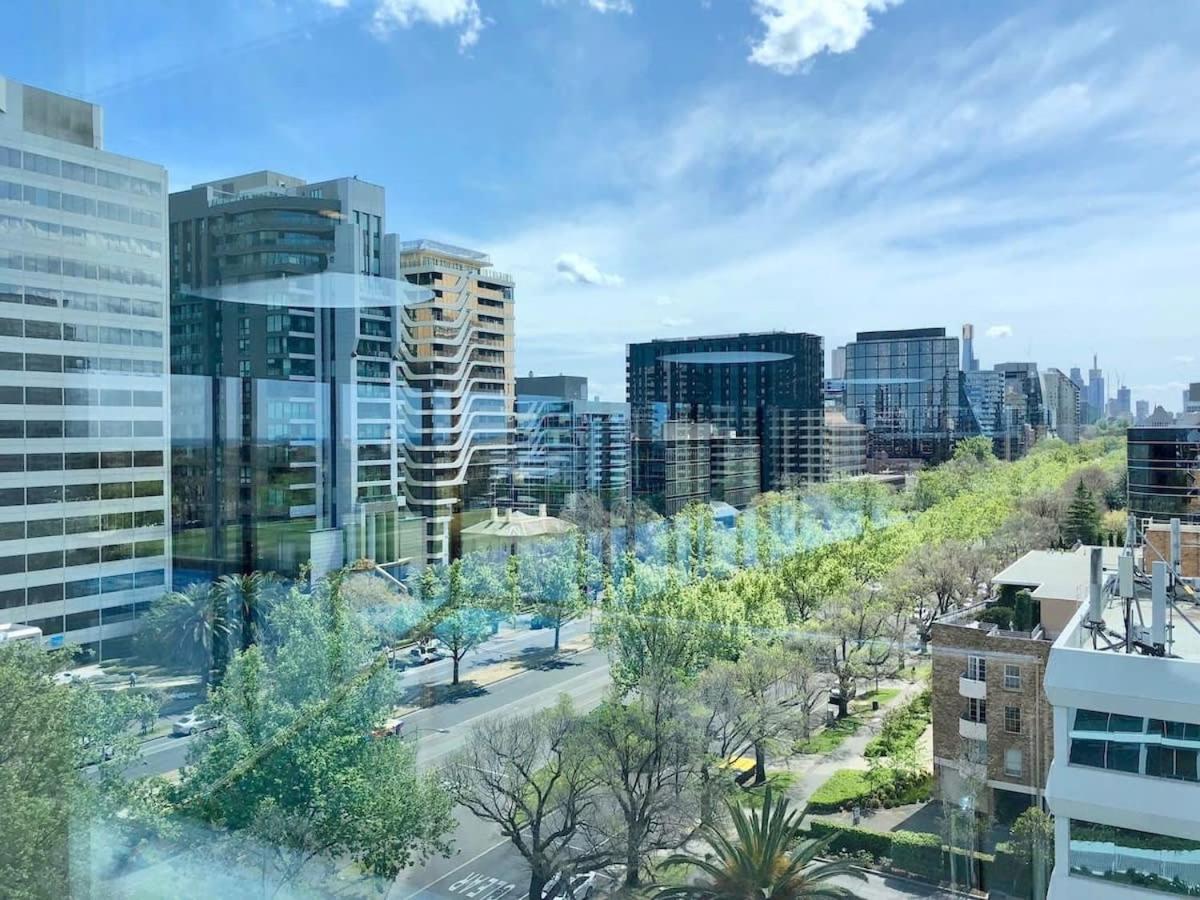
(83,363)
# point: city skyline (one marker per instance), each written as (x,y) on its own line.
(950,187)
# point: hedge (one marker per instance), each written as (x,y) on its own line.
(918,853)
(846,787)
(851,839)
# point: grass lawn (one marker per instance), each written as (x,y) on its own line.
(779,782)
(829,739)
(883,695)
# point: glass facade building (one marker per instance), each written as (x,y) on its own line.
(907,389)
(768,386)
(1164,473)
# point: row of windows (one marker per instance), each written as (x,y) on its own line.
(99,240)
(74,428)
(49,362)
(56,396)
(1155,747)
(105,178)
(977,671)
(90,334)
(39,528)
(76,268)
(79,493)
(57,462)
(75,300)
(73,203)
(79,556)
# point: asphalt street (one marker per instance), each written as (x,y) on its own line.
(438,730)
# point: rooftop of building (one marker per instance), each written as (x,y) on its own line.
(900,334)
(725,337)
(513,523)
(1056,574)
(438,248)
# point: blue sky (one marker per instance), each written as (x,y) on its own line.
(675,167)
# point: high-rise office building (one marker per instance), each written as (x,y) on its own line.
(1024,415)
(456,358)
(304,344)
(767,386)
(286,399)
(985,394)
(907,389)
(1141,412)
(83,364)
(1163,468)
(1061,396)
(1121,406)
(1191,398)
(565,444)
(838,364)
(969,362)
(843,448)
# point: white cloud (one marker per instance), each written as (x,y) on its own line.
(581,270)
(1183,359)
(999,331)
(461,14)
(606,6)
(663,300)
(335,4)
(798,30)
(675,322)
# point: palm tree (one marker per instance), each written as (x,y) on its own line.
(190,627)
(245,597)
(767,860)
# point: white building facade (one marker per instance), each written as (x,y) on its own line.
(83,362)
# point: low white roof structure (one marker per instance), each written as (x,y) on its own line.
(1055,574)
(514,525)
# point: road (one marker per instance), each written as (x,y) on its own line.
(497,872)
(439,730)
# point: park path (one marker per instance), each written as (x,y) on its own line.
(813,770)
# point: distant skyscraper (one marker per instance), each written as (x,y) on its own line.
(1061,397)
(1191,398)
(969,362)
(1123,404)
(84,546)
(906,387)
(1142,411)
(838,363)
(1024,407)
(1097,395)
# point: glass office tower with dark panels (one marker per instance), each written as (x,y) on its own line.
(1164,473)
(906,387)
(767,386)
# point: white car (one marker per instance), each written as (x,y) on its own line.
(426,653)
(577,887)
(193,723)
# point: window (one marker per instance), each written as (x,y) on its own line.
(1012,719)
(976,668)
(1012,677)
(976,710)
(1013,761)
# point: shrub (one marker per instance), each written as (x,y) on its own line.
(902,728)
(998,615)
(918,853)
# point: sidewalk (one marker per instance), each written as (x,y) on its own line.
(814,771)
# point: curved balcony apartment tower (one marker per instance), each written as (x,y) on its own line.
(456,361)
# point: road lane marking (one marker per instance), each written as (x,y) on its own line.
(446,875)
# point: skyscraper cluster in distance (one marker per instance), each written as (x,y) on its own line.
(255,374)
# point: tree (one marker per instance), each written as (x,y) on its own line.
(760,862)
(976,449)
(49,733)
(293,765)
(245,598)
(645,754)
(935,579)
(848,625)
(461,630)
(533,777)
(1033,841)
(1082,520)
(189,629)
(552,583)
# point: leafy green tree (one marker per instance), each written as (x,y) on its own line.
(552,584)
(292,764)
(245,597)
(1082,519)
(48,733)
(766,858)
(1033,841)
(190,629)
(976,449)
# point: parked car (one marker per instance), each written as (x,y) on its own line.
(193,723)
(538,622)
(576,887)
(421,654)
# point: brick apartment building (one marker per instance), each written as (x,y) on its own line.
(993,736)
